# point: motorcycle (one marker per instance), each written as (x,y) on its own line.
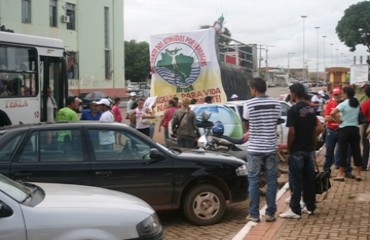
(209,140)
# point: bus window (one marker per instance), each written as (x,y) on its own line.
(17,72)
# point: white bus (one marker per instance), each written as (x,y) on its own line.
(28,66)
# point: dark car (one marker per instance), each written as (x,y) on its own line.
(86,153)
(87,98)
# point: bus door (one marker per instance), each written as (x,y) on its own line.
(53,74)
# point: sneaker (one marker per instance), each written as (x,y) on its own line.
(304,210)
(269,218)
(289,214)
(253,219)
(287,200)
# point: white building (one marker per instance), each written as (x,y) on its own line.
(92,31)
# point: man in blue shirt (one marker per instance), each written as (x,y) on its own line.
(92,114)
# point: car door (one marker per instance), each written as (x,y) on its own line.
(12,224)
(127,167)
(52,155)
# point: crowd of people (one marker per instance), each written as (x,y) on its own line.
(342,133)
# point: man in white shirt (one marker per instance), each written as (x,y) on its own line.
(106,138)
(318,101)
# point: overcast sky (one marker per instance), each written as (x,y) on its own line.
(267,22)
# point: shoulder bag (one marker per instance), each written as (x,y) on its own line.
(174,128)
(322,180)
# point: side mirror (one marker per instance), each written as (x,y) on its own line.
(155,154)
(5,210)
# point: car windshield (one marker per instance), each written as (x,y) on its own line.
(13,189)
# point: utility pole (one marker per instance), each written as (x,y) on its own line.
(303,65)
(260,60)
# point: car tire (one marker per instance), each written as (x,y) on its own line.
(204,205)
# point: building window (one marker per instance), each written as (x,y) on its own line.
(53,13)
(107,64)
(106,27)
(107,45)
(72,65)
(71,12)
(26,11)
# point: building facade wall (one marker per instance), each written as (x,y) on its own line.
(87,40)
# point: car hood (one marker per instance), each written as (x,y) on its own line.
(76,196)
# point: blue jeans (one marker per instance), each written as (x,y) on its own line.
(302,179)
(269,161)
(332,151)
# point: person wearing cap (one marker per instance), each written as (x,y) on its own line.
(131,105)
(365,109)
(91,114)
(317,101)
(218,25)
(331,137)
(106,138)
(234,97)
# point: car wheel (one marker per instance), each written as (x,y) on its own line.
(204,205)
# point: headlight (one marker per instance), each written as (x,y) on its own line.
(149,226)
(242,170)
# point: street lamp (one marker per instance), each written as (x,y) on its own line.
(303,62)
(267,50)
(317,54)
(260,60)
(337,56)
(289,54)
(331,54)
(324,52)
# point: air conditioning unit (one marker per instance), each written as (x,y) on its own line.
(65,19)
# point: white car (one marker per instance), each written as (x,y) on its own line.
(282,130)
(45,211)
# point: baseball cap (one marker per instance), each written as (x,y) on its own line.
(234,96)
(132,94)
(103,101)
(336,91)
(322,93)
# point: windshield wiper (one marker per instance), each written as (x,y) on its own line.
(30,191)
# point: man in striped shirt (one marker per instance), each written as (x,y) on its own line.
(260,117)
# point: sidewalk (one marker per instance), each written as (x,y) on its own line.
(344,213)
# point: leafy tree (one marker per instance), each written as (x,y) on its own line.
(137,64)
(354,27)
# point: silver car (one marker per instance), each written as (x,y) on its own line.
(45,211)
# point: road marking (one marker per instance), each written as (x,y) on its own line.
(249,225)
